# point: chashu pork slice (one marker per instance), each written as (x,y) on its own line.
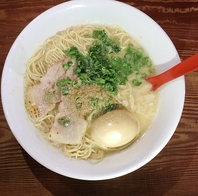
(68,127)
(48,85)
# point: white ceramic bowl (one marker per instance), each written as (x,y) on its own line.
(146,32)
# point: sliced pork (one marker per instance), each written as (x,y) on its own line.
(69,127)
(46,94)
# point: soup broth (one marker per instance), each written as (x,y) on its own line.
(82,73)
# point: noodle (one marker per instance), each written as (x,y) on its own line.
(51,53)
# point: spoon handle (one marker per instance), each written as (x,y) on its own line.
(187,66)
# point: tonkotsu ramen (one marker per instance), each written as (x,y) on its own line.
(79,75)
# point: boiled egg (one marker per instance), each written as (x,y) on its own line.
(114,129)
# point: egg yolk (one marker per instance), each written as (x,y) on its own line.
(114,129)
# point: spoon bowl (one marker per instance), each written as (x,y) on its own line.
(187,66)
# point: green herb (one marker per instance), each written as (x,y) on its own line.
(67,65)
(103,66)
(111,44)
(65,91)
(49,96)
(135,82)
(104,109)
(111,107)
(78,102)
(64,82)
(94,102)
(75,84)
(143,75)
(64,121)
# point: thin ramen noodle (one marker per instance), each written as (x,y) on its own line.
(48,100)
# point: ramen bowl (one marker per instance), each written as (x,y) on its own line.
(147,33)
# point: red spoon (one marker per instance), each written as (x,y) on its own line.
(187,66)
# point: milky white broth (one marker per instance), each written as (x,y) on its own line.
(82,74)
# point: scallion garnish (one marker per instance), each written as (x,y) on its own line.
(103,66)
(49,96)
(66,66)
(64,121)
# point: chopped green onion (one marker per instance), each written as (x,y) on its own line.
(110,107)
(94,102)
(102,65)
(49,96)
(61,83)
(67,65)
(65,91)
(136,82)
(64,121)
(78,102)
